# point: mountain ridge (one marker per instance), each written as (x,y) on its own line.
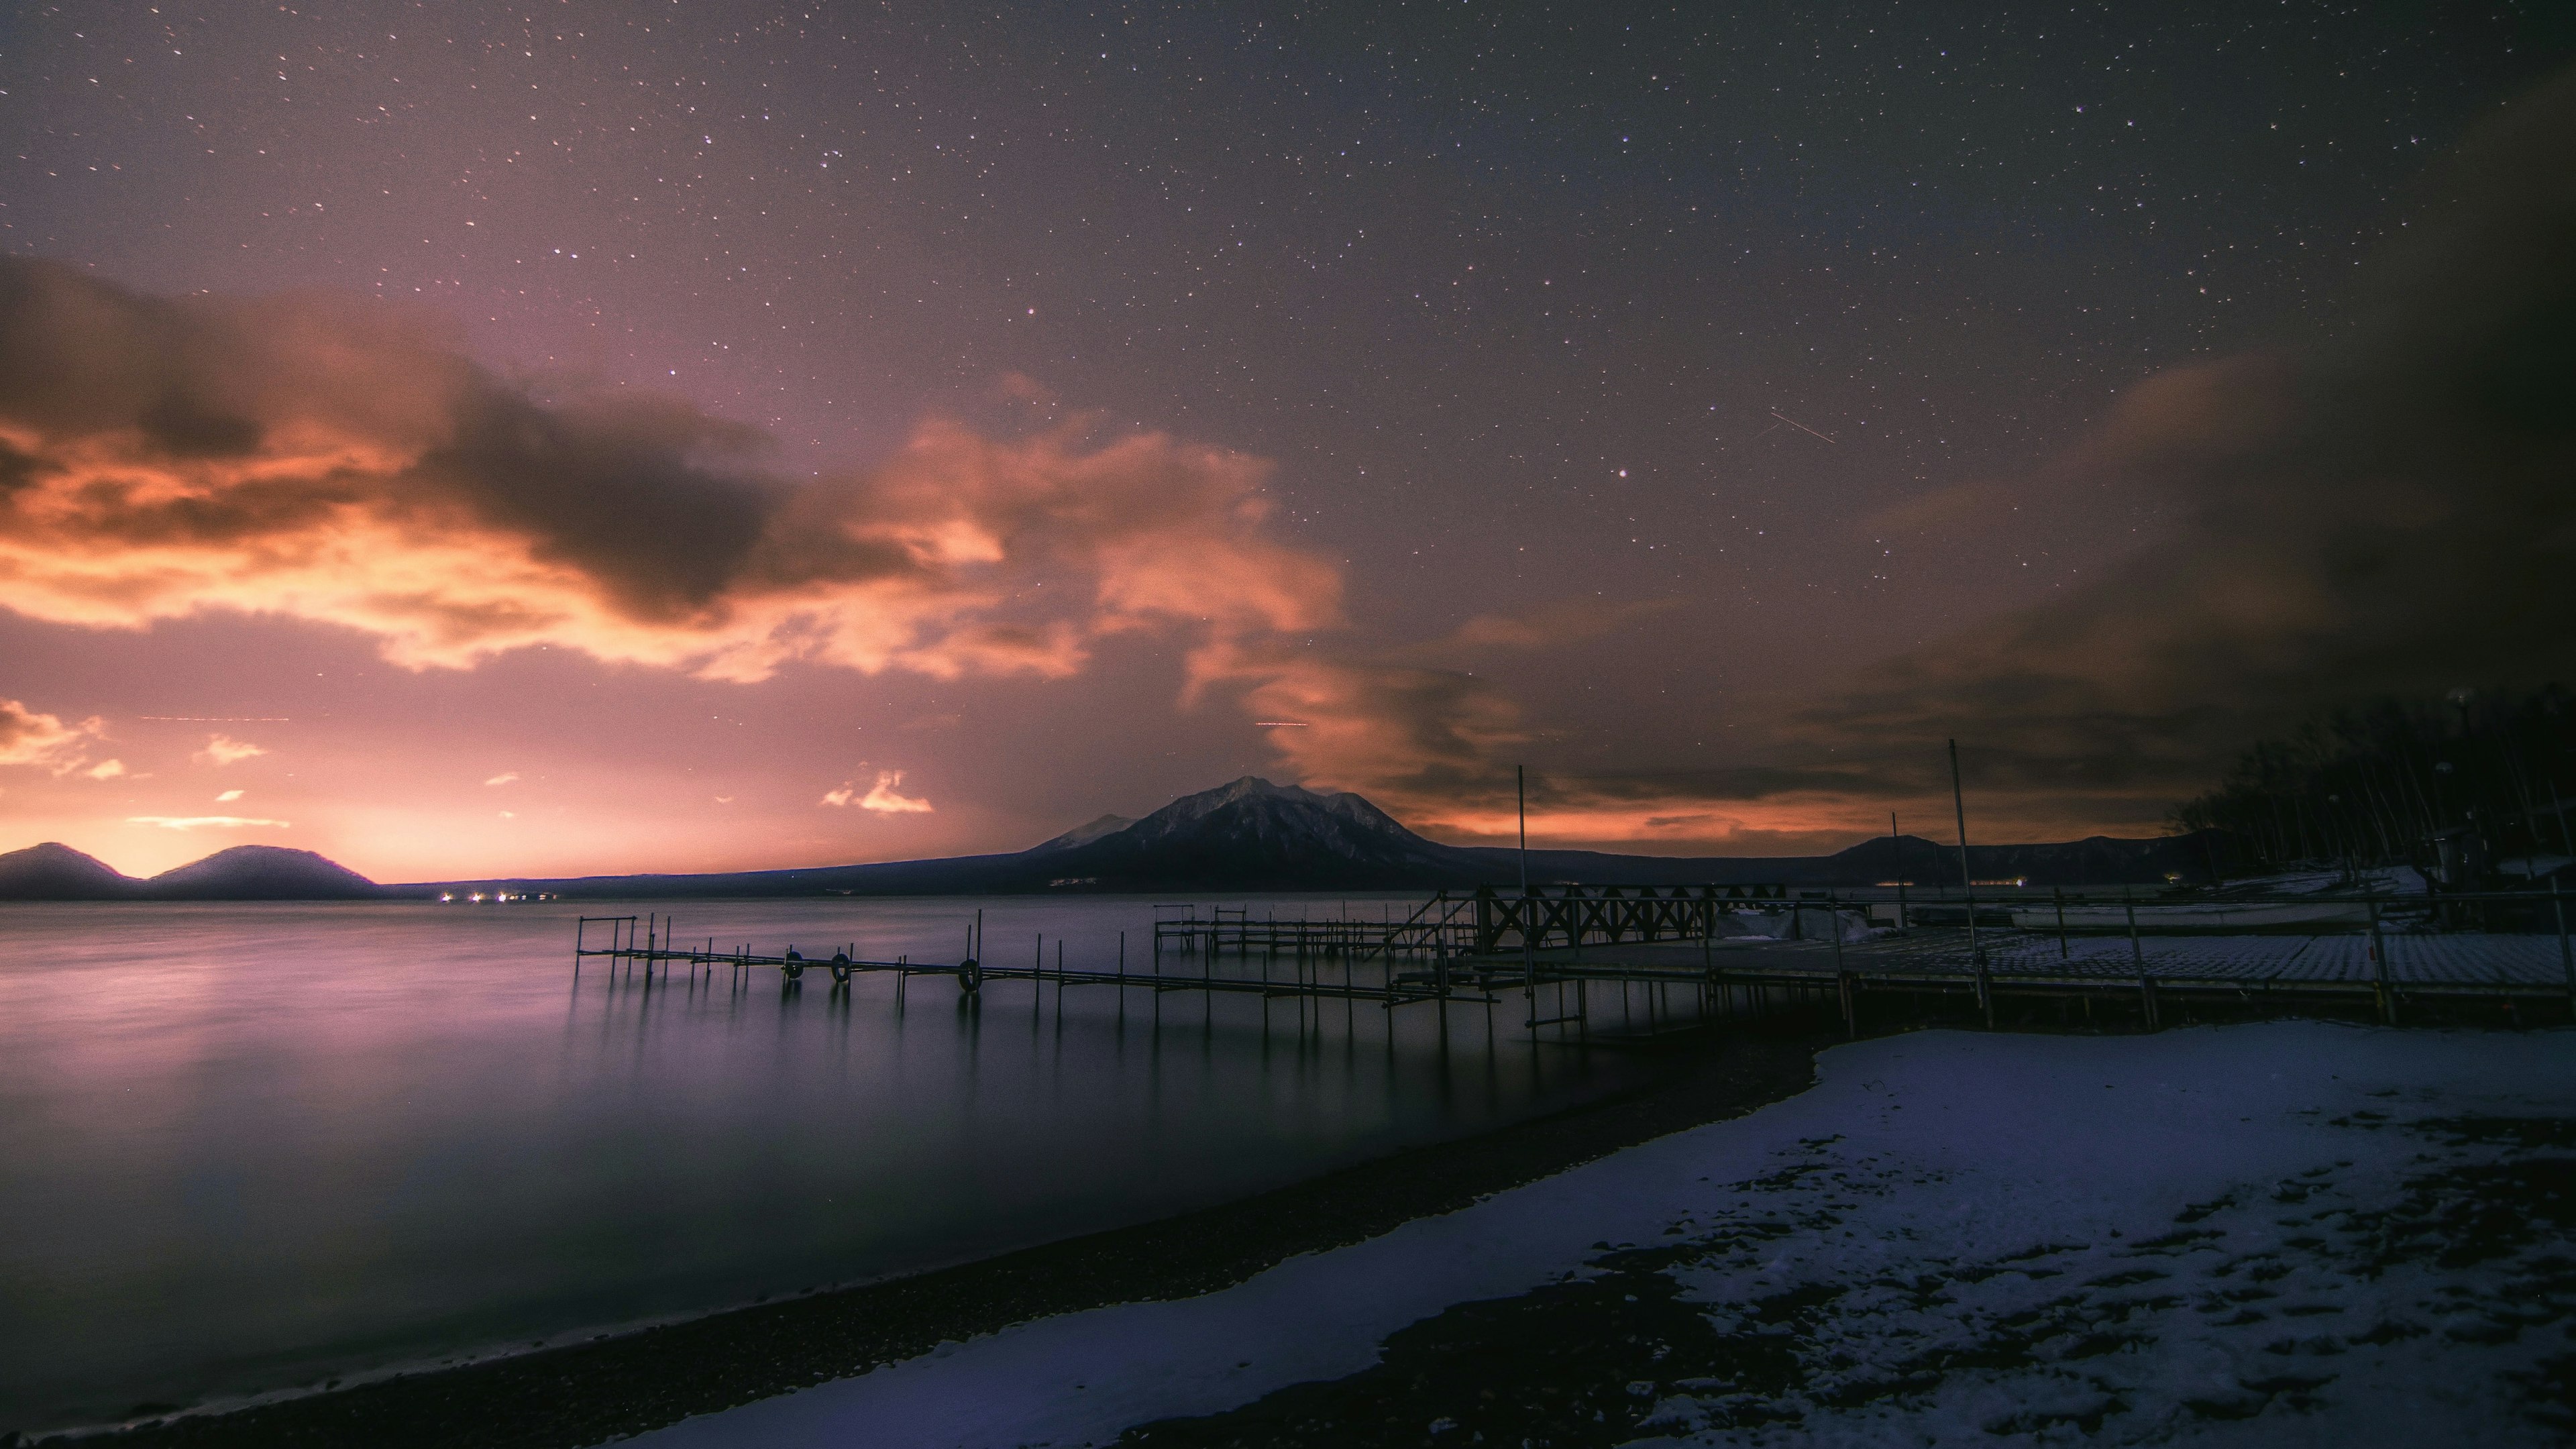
(52,871)
(1246,835)
(1250,834)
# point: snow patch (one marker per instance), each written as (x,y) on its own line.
(2286,1231)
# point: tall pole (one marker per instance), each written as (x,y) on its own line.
(1529,908)
(1520,805)
(1967,883)
(1896,849)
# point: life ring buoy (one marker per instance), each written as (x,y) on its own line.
(970,976)
(795,966)
(840,968)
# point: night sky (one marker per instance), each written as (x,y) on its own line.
(585,437)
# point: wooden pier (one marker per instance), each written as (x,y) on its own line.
(1578,959)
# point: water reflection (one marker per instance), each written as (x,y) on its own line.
(251,1147)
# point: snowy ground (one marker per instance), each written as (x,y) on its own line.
(2277,1233)
(2465,958)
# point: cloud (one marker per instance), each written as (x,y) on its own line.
(204,822)
(504,778)
(104,770)
(1409,732)
(883,796)
(2388,507)
(228,797)
(335,459)
(225,750)
(43,740)
(2384,509)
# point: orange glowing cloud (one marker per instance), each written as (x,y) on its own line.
(327,459)
(225,750)
(204,822)
(883,797)
(28,737)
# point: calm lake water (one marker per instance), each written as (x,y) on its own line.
(251,1148)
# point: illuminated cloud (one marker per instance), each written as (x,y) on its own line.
(884,799)
(225,750)
(228,797)
(1407,732)
(504,778)
(104,770)
(333,459)
(43,740)
(204,822)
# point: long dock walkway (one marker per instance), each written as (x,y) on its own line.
(1705,953)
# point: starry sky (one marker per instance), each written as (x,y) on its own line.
(672,435)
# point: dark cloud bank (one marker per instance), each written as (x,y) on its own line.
(2386,509)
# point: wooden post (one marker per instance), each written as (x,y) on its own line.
(2060,895)
(1967,881)
(2566,959)
(2379,968)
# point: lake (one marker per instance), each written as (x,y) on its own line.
(259,1147)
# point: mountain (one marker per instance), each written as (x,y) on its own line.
(1252,835)
(261,873)
(1084,834)
(53,872)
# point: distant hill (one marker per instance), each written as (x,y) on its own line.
(1252,835)
(1084,834)
(54,872)
(261,873)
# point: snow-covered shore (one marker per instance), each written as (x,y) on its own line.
(2287,1232)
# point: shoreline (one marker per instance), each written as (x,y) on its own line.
(586,1393)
